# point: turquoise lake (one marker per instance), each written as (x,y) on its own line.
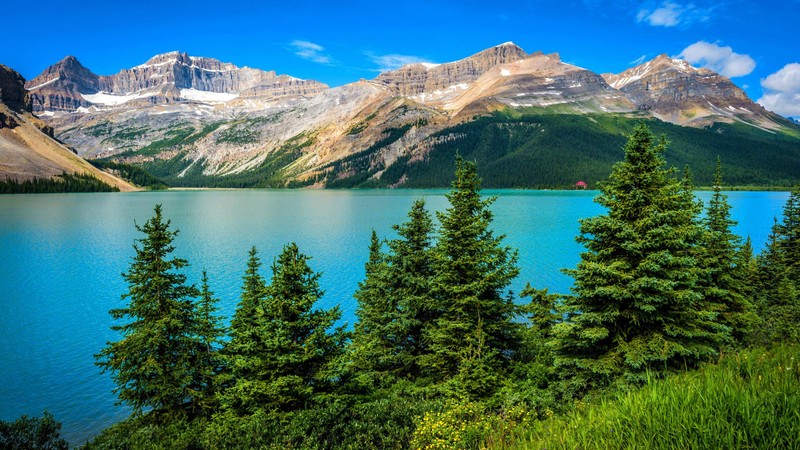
(61,256)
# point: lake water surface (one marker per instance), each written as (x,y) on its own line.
(61,256)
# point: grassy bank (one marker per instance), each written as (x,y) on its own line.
(748,400)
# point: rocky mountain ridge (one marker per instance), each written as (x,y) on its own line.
(172,77)
(676,92)
(27,147)
(186,116)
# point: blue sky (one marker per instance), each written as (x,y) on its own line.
(753,42)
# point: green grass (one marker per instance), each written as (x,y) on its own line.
(749,400)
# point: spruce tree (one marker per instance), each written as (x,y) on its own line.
(636,305)
(373,346)
(301,341)
(241,380)
(153,362)
(209,332)
(474,334)
(778,277)
(395,303)
(410,271)
(725,272)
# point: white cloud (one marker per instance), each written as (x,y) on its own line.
(670,14)
(638,60)
(722,60)
(310,51)
(782,91)
(394,61)
(784,80)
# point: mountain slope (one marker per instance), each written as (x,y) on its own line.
(27,148)
(200,122)
(676,92)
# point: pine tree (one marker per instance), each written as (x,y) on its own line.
(299,347)
(411,269)
(152,365)
(209,332)
(395,302)
(242,379)
(778,277)
(636,305)
(373,347)
(474,334)
(725,273)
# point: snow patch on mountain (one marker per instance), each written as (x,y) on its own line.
(104,98)
(207,97)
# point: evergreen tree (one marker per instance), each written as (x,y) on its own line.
(636,304)
(778,277)
(153,364)
(300,349)
(726,273)
(410,271)
(474,334)
(241,380)
(395,302)
(373,347)
(209,332)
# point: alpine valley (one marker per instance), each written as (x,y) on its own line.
(529,120)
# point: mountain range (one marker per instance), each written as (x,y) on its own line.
(28,149)
(532,120)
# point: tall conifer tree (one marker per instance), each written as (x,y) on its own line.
(725,271)
(301,341)
(209,332)
(153,364)
(474,333)
(242,378)
(636,304)
(395,302)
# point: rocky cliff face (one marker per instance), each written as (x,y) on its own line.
(676,92)
(27,147)
(168,78)
(12,90)
(415,79)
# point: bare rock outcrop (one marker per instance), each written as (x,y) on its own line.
(675,91)
(12,90)
(415,79)
(68,86)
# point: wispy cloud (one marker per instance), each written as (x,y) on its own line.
(722,60)
(310,51)
(637,61)
(393,61)
(671,14)
(782,91)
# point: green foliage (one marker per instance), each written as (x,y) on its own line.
(541,149)
(281,351)
(209,361)
(636,306)
(395,303)
(468,425)
(153,365)
(66,182)
(748,400)
(151,433)
(474,333)
(32,433)
(131,173)
(725,270)
(777,278)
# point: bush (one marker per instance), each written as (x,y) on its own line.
(32,433)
